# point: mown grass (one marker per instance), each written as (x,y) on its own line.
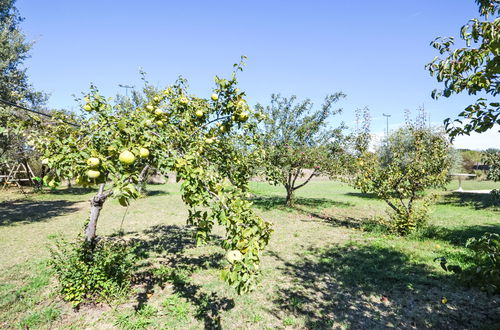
(326,266)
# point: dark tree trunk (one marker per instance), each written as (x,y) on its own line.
(96,204)
(289,196)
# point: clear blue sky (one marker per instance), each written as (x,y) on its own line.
(374,51)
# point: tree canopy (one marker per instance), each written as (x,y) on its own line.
(474,69)
(298,137)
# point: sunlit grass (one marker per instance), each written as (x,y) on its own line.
(324,267)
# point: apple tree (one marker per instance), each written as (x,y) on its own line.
(170,130)
(296,138)
(412,159)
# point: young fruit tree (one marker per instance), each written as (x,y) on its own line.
(297,138)
(411,160)
(474,69)
(113,147)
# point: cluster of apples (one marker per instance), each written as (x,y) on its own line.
(158,112)
(126,157)
(241,113)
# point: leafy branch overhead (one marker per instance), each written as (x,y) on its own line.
(474,69)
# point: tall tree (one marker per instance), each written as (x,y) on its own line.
(474,69)
(297,138)
(14,84)
(14,50)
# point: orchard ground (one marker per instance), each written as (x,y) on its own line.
(327,265)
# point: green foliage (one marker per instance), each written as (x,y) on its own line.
(182,133)
(36,319)
(486,251)
(14,84)
(176,307)
(296,138)
(412,159)
(485,269)
(140,319)
(404,221)
(492,159)
(472,70)
(85,273)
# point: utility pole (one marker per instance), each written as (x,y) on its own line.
(126,88)
(387,126)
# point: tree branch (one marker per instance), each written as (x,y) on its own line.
(307,181)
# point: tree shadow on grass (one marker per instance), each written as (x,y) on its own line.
(457,236)
(473,200)
(267,203)
(362,195)
(338,221)
(28,211)
(372,287)
(71,191)
(168,244)
(149,192)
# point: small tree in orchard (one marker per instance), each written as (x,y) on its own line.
(171,130)
(410,160)
(474,69)
(297,138)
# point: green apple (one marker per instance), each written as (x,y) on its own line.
(93,162)
(87,107)
(160,123)
(184,100)
(214,97)
(143,152)
(150,107)
(241,104)
(93,174)
(126,157)
(243,116)
(209,140)
(158,112)
(199,113)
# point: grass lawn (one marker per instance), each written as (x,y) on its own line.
(325,266)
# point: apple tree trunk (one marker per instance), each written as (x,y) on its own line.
(96,204)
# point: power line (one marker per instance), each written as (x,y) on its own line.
(34,111)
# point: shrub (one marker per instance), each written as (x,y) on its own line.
(486,250)
(485,258)
(92,273)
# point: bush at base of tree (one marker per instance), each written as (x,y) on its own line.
(93,274)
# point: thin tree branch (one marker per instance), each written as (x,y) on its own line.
(307,181)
